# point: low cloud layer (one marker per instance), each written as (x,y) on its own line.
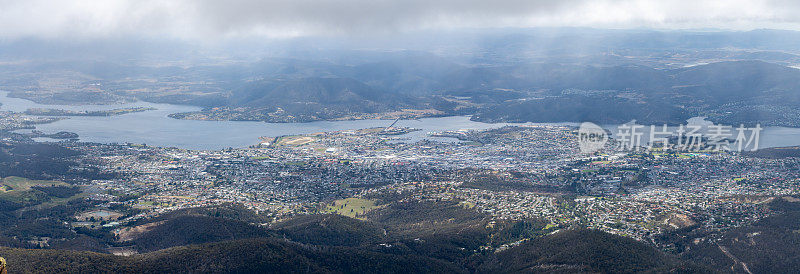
(216,19)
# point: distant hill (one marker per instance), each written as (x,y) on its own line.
(410,73)
(747,87)
(735,80)
(583,109)
(326,92)
(748,91)
(310,99)
(775,152)
(732,92)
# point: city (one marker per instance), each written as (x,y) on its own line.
(514,173)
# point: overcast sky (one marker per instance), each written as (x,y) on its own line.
(217,19)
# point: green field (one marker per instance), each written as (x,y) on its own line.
(295,140)
(13,183)
(467,205)
(351,207)
(18,190)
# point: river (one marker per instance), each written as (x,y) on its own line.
(155,128)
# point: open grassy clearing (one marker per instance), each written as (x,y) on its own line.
(351,207)
(13,183)
(298,140)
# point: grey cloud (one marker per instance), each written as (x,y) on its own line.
(365,16)
(215,19)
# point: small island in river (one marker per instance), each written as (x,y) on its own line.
(57,135)
(64,112)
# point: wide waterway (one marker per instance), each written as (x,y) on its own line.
(155,128)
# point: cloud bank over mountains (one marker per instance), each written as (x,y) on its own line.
(213,19)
